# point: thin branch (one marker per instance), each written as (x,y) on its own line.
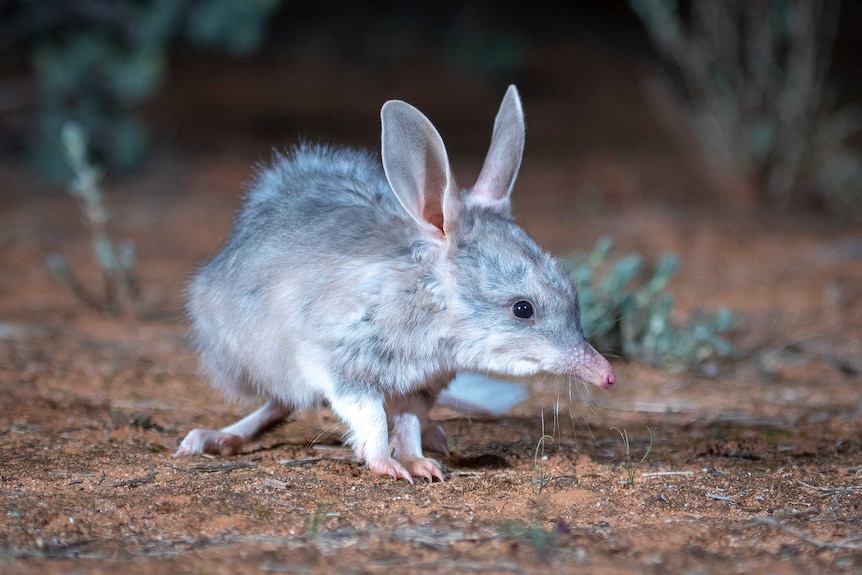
(827,491)
(847,543)
(666,473)
(311,461)
(137,482)
(721,498)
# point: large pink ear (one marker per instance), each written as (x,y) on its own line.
(417,167)
(494,186)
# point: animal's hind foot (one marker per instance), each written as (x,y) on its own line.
(211,442)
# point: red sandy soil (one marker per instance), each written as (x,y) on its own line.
(755,467)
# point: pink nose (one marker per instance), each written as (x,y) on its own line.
(597,369)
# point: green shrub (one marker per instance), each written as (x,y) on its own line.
(747,82)
(625,312)
(120,288)
(97,62)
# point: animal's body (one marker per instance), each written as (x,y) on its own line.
(368,286)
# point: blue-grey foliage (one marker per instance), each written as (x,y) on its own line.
(623,310)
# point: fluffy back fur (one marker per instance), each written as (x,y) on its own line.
(343,276)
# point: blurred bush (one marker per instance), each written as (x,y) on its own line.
(747,82)
(622,311)
(96,61)
(120,289)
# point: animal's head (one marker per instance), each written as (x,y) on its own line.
(511,308)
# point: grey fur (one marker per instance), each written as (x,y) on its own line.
(332,288)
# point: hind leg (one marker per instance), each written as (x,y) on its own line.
(434,438)
(231,439)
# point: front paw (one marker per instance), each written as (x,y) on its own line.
(385,465)
(406,469)
(424,467)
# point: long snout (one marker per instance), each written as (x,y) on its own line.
(593,368)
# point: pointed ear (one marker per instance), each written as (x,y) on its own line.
(417,167)
(497,178)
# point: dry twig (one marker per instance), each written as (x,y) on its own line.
(827,491)
(846,543)
(136,482)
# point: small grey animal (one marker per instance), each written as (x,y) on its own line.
(367,287)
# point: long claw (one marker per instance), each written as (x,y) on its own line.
(424,467)
(390,467)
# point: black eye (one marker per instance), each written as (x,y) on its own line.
(522,309)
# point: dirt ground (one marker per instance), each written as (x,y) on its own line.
(756,462)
